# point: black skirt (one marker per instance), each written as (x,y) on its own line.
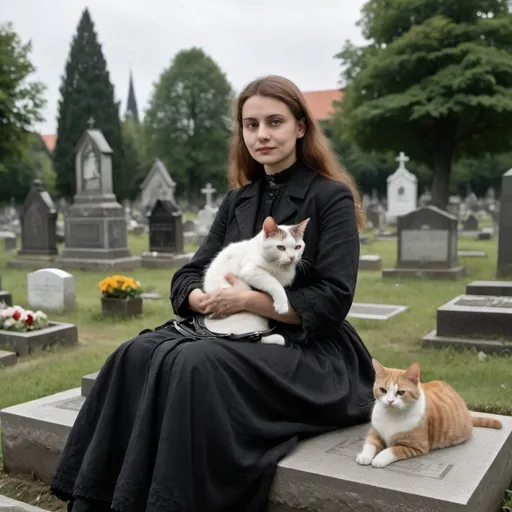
(173,424)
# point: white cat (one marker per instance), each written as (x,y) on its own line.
(267,262)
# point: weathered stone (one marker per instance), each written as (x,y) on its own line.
(158,184)
(10,505)
(51,289)
(25,343)
(471,254)
(8,358)
(370,262)
(499,288)
(88,382)
(375,311)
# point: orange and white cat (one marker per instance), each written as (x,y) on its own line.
(410,418)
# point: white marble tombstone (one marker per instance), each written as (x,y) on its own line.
(402,191)
(51,289)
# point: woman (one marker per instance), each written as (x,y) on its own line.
(174,424)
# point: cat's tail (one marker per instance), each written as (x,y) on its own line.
(487,423)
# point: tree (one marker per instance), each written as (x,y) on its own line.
(435,81)
(21,100)
(187,122)
(86,92)
(136,163)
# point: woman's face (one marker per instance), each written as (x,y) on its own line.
(270,132)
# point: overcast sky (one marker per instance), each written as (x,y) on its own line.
(247,38)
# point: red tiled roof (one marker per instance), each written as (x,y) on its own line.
(50,140)
(320,102)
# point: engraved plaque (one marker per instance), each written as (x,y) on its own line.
(425,245)
(415,467)
(86,235)
(485,301)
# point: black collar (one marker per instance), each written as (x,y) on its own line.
(281,177)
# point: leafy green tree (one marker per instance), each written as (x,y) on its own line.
(187,122)
(21,100)
(435,81)
(86,92)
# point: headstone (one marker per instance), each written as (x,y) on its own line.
(505,227)
(493,288)
(370,262)
(471,223)
(402,191)
(208,191)
(5,297)
(371,311)
(38,219)
(480,322)
(485,234)
(7,359)
(51,289)
(471,254)
(9,239)
(96,234)
(157,185)
(427,245)
(166,239)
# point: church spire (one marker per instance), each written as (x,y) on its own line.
(132,111)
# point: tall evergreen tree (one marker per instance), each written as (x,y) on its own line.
(434,81)
(86,92)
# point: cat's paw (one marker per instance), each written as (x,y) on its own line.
(281,306)
(364,459)
(274,339)
(383,459)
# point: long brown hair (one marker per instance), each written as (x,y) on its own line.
(313,150)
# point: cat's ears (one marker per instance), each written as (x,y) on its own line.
(379,369)
(298,230)
(270,227)
(413,373)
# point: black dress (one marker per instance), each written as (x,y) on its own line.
(175,425)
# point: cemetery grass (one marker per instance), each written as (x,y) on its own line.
(485,385)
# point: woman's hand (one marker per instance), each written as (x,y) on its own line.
(196,299)
(225,301)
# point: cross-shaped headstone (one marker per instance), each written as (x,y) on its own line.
(91,123)
(208,191)
(401,160)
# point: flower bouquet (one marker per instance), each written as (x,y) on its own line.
(16,318)
(120,296)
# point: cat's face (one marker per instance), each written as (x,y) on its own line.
(283,245)
(396,389)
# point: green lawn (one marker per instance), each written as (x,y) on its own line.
(486,385)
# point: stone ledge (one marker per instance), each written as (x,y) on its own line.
(128,263)
(497,288)
(10,505)
(500,347)
(8,358)
(87,383)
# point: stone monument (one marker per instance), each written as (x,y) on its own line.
(157,185)
(165,236)
(402,191)
(427,245)
(96,234)
(38,217)
(505,227)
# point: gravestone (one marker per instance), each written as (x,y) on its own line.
(495,288)
(402,191)
(370,262)
(481,322)
(165,236)
(5,297)
(158,184)
(505,227)
(51,289)
(427,245)
(371,311)
(320,473)
(470,223)
(96,235)
(38,217)
(206,216)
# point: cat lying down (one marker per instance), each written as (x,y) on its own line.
(267,262)
(410,418)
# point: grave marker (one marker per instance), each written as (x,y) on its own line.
(505,227)
(51,289)
(157,185)
(402,191)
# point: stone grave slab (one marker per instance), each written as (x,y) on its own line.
(485,234)
(370,262)
(498,288)
(482,322)
(87,383)
(6,298)
(321,474)
(32,341)
(34,433)
(471,254)
(51,289)
(8,358)
(375,311)
(10,505)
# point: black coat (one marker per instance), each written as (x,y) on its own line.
(322,295)
(177,425)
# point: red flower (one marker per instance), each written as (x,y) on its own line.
(16,315)
(29,320)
